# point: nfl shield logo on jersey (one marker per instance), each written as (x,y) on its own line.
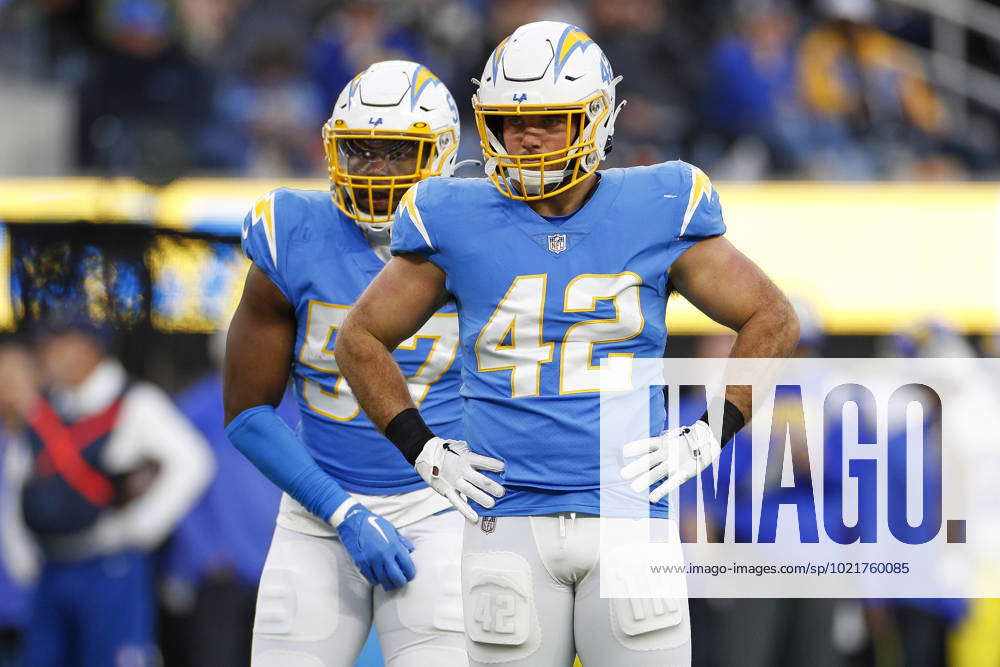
(557,243)
(488,524)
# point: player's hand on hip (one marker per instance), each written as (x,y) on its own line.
(451,469)
(380,552)
(676,455)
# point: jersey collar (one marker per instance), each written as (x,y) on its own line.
(359,248)
(593,208)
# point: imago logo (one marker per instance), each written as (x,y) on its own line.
(835,469)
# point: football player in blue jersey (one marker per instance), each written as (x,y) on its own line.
(359,534)
(554,266)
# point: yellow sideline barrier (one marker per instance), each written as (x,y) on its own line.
(870,257)
(6,307)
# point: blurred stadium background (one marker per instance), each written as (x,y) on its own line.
(855,143)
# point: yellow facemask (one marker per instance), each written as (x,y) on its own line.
(355,194)
(541,175)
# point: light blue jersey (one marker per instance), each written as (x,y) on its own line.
(542,301)
(321,262)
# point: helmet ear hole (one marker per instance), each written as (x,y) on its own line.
(595,108)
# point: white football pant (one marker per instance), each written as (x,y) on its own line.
(315,609)
(531,588)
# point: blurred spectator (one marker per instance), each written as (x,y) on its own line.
(144,99)
(168,87)
(869,92)
(207,25)
(266,109)
(269,116)
(453,34)
(351,38)
(754,88)
(656,54)
(505,16)
(18,560)
(213,561)
(113,468)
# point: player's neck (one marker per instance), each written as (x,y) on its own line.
(566,202)
(378,241)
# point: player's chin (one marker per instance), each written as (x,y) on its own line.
(378,203)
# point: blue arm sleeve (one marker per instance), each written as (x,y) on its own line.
(273,447)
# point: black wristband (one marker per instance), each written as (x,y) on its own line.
(409,433)
(732,421)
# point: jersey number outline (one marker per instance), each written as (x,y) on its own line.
(512,338)
(338,402)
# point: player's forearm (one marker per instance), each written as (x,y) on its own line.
(771,332)
(375,378)
(278,452)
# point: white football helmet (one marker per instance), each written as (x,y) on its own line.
(546,68)
(391,100)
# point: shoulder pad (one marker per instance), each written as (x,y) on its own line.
(268,226)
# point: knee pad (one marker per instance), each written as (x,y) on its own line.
(298,594)
(500,615)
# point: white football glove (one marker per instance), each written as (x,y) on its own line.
(677,454)
(449,468)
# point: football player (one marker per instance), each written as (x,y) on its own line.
(353,510)
(554,265)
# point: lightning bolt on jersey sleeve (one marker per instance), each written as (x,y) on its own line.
(703,211)
(410,233)
(260,237)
